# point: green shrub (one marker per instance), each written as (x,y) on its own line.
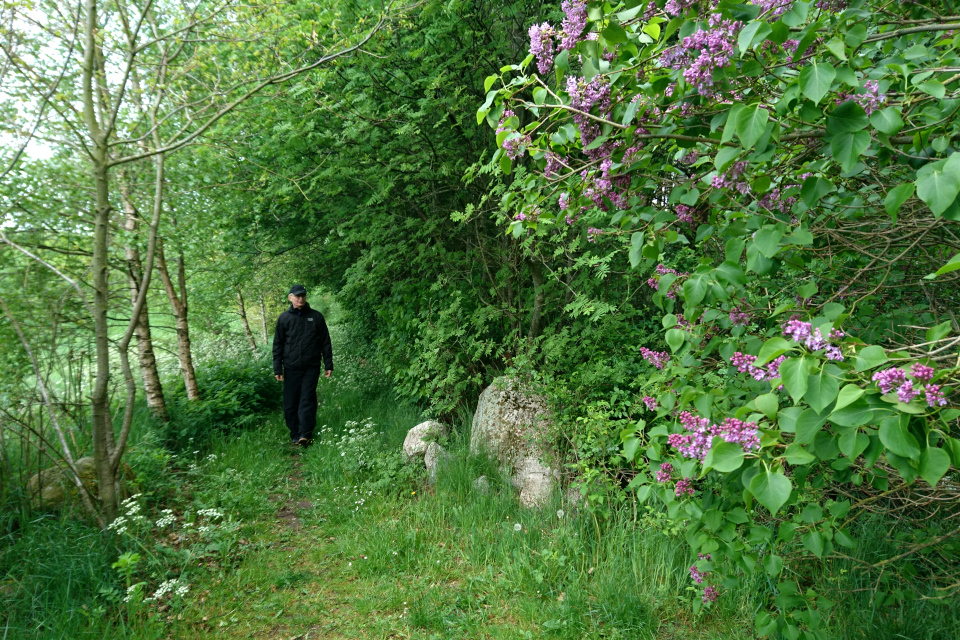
(232,395)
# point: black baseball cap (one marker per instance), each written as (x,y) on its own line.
(298,290)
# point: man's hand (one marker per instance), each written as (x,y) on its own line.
(279,378)
(328,373)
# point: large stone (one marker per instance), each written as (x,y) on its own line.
(482,485)
(433,458)
(52,487)
(511,425)
(419,438)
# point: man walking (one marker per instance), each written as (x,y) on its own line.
(300,341)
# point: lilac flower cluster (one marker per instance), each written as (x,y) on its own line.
(586,95)
(710,594)
(701,432)
(773,200)
(666,470)
(744,364)
(691,157)
(773,9)
(739,318)
(574,21)
(921,372)
(593,233)
(684,487)
(906,393)
(890,379)
(678,7)
(554,166)
(695,573)
(699,54)
(564,201)
(935,396)
(833,6)
(651,403)
(601,185)
(684,213)
(654,282)
(659,359)
(730,179)
(541,46)
(513,147)
(507,114)
(870,99)
(803,332)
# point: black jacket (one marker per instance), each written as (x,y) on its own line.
(300,340)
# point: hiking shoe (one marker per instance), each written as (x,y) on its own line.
(303,442)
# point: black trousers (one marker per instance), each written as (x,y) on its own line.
(300,401)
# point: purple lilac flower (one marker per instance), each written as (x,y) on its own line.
(659,359)
(574,21)
(507,114)
(833,352)
(684,487)
(776,8)
(697,440)
(710,594)
(554,165)
(804,333)
(520,216)
(651,403)
(678,7)
(773,369)
(729,179)
(870,98)
(684,214)
(696,574)
(664,474)
(775,201)
(699,54)
(600,185)
(585,95)
(592,234)
(514,147)
(921,372)
(744,364)
(906,393)
(833,6)
(541,46)
(888,379)
(564,201)
(739,318)
(935,396)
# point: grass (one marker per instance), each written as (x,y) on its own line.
(414,560)
(342,540)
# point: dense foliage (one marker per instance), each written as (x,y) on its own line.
(785,174)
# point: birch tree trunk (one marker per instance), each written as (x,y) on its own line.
(148,362)
(180,308)
(243,319)
(263,321)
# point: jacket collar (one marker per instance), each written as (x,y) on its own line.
(306,308)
